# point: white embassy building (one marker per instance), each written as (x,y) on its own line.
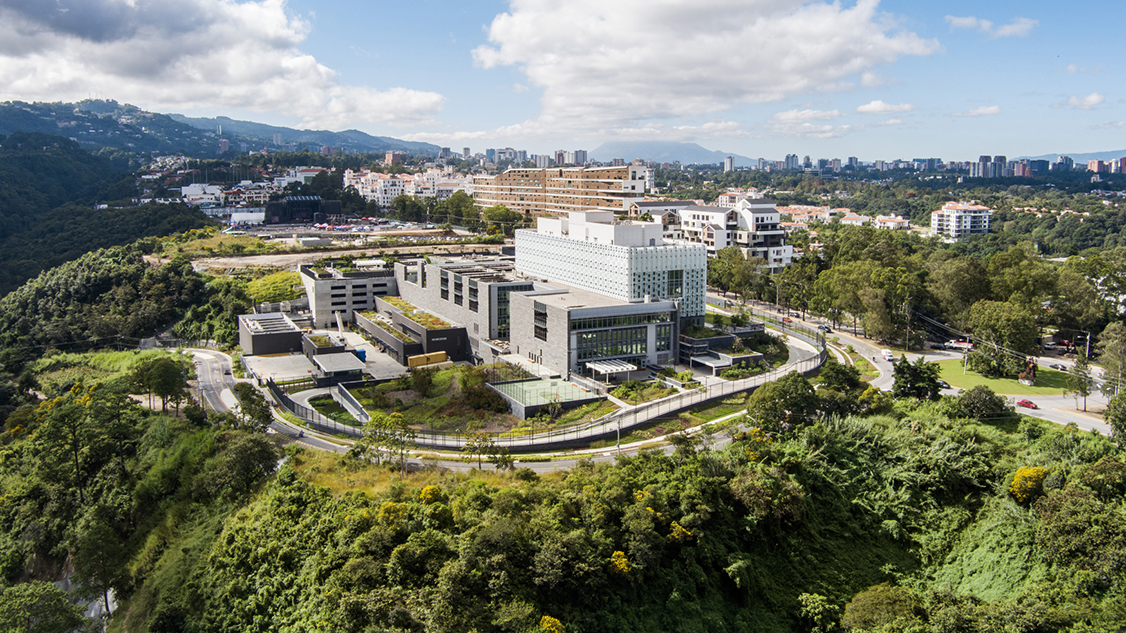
(627,260)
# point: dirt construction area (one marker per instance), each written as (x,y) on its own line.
(291,260)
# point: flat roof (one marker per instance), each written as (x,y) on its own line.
(569,298)
(342,361)
(269,323)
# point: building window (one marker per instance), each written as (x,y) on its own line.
(539,320)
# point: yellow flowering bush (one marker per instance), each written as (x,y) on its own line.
(1028,483)
(679,533)
(619,563)
(551,625)
(432,494)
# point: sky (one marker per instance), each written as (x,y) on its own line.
(760,78)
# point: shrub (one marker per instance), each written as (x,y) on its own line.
(878,606)
(551,625)
(1028,483)
(619,563)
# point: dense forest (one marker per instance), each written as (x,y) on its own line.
(48,187)
(112,293)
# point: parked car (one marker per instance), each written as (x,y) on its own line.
(1058,366)
(824,328)
(943,384)
(1028,404)
(938,345)
(786,319)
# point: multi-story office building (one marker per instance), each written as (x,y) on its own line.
(561,190)
(626,260)
(333,291)
(961,219)
(585,289)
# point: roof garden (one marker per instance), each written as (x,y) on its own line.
(428,321)
(696,331)
(425,319)
(386,327)
(323,341)
(399,303)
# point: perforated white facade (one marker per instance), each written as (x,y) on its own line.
(626,261)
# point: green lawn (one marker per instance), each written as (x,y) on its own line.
(1049,382)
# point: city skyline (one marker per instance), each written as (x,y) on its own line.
(881,80)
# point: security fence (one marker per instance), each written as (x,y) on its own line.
(608,426)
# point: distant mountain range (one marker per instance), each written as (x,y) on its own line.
(96,124)
(665,152)
(1080,158)
(260,133)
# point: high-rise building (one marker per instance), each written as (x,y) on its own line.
(729,164)
(580,157)
(836,164)
(224,146)
(277,139)
(617,162)
(465,153)
(791,161)
(854,162)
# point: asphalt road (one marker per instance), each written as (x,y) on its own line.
(216,391)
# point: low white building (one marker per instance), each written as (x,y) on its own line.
(892,223)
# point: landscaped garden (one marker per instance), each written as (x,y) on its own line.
(330,408)
(639,391)
(453,399)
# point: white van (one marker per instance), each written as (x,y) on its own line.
(888,356)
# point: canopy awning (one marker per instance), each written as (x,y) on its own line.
(611,366)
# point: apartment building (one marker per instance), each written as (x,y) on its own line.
(753,225)
(384,188)
(561,190)
(957,220)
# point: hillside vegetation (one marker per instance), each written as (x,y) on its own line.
(48,187)
(910,521)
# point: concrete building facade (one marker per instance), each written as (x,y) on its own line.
(333,291)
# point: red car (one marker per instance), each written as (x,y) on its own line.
(1028,404)
(786,319)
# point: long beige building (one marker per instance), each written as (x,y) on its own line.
(560,190)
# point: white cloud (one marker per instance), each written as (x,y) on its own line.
(982,111)
(797,116)
(1073,69)
(1087,102)
(519,87)
(1017,28)
(191,54)
(879,107)
(892,122)
(1111,125)
(797,123)
(640,64)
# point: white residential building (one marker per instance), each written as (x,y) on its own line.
(753,225)
(892,223)
(961,219)
(384,188)
(853,219)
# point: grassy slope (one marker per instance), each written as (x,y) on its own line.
(1049,382)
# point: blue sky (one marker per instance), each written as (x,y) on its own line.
(877,80)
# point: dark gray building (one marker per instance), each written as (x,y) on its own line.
(272,333)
